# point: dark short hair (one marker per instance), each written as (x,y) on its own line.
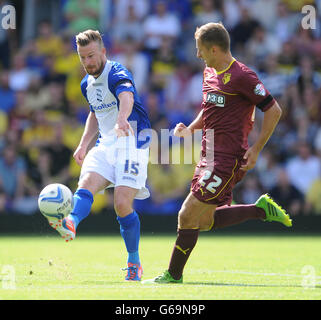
(213,34)
(88,36)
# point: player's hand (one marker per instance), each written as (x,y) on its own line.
(251,156)
(79,155)
(123,128)
(182,131)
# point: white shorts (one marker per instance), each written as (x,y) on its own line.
(121,163)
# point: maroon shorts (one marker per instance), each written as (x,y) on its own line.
(213,184)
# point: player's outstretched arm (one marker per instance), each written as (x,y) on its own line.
(181,130)
(126,102)
(271,118)
(90,131)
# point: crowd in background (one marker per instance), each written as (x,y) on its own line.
(42,111)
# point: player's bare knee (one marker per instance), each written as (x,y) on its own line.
(122,206)
(86,183)
(186,220)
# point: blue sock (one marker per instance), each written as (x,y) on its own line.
(130,231)
(83,200)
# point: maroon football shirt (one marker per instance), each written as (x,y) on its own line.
(229,100)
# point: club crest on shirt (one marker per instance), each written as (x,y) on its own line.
(259,90)
(226,78)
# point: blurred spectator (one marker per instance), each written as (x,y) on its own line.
(251,189)
(268,169)
(39,134)
(313,197)
(306,76)
(7,95)
(58,99)
(161,23)
(130,28)
(243,30)
(288,57)
(34,60)
(50,73)
(39,170)
(59,155)
(287,195)
(208,13)
(126,8)
(4,123)
(13,180)
(68,61)
(303,42)
(19,75)
(163,63)
(3,201)
(20,117)
(82,15)
(47,42)
(317,141)
(136,62)
(274,79)
(155,111)
(296,5)
(183,10)
(177,101)
(232,13)
(194,91)
(303,169)
(261,45)
(37,97)
(265,11)
(285,24)
(72,132)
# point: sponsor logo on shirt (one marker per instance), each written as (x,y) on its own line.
(129,178)
(216,99)
(104,106)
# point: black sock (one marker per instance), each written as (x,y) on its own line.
(185,242)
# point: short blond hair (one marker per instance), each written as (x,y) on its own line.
(213,34)
(88,36)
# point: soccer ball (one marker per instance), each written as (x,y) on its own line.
(55,201)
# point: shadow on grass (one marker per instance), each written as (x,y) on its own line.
(219,284)
(215,284)
(108,283)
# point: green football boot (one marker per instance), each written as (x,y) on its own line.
(273,211)
(164,278)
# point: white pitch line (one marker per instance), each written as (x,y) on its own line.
(262,273)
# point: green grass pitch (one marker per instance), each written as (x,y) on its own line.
(221,267)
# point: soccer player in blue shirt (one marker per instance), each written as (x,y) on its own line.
(120,157)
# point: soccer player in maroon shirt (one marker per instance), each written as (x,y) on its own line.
(231,92)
